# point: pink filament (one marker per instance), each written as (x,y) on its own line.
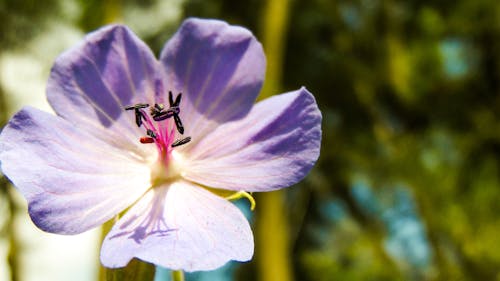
(165,134)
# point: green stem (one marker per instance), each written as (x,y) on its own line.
(177,275)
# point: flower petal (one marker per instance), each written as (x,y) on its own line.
(218,68)
(274,146)
(90,84)
(180,226)
(72,180)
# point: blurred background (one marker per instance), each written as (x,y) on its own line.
(407,186)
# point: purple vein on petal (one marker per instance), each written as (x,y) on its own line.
(223,92)
(102,111)
(204,85)
(109,136)
(226,74)
(119,106)
(140,59)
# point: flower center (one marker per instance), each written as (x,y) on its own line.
(161,126)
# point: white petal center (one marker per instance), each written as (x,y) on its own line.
(164,172)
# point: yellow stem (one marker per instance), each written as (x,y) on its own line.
(273,245)
(177,275)
(274,28)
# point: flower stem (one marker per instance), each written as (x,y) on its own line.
(273,251)
(177,275)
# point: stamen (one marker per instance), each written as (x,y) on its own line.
(243,194)
(138,117)
(171,99)
(150,133)
(146,140)
(178,124)
(175,105)
(136,106)
(159,113)
(181,141)
(162,115)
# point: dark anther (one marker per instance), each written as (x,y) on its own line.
(136,106)
(162,115)
(138,117)
(173,111)
(138,113)
(181,141)
(171,99)
(178,124)
(150,133)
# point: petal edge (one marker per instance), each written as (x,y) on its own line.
(274,146)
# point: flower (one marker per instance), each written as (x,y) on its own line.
(125,137)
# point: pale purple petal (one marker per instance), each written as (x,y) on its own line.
(90,84)
(180,226)
(275,146)
(72,180)
(219,69)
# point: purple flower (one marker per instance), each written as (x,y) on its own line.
(121,140)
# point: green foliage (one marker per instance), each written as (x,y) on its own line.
(409,92)
(22,19)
